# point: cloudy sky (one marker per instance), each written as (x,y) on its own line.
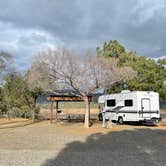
(30,26)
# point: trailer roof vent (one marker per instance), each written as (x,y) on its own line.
(125,91)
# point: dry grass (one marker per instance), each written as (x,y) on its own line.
(97,126)
(74,127)
(73,110)
(14,122)
(163,111)
(82,110)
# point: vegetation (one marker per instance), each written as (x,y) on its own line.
(113,68)
(150,74)
(18,99)
(18,92)
(66,105)
(86,75)
(4,59)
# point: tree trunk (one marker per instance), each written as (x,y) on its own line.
(8,112)
(8,115)
(33,110)
(33,115)
(87,112)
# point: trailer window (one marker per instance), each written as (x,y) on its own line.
(128,103)
(111,103)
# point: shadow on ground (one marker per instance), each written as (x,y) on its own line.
(141,147)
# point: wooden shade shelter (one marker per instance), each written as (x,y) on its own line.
(63,96)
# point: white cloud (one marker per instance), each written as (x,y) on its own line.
(28,26)
(148,9)
(24,43)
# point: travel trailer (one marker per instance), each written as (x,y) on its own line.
(136,106)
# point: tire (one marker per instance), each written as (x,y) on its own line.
(100,117)
(120,120)
(114,121)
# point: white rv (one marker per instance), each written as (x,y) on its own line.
(130,106)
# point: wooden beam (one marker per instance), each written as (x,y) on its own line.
(66,98)
(56,114)
(51,111)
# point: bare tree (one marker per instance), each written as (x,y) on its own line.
(4,59)
(37,76)
(37,80)
(83,75)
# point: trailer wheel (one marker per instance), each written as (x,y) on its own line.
(100,117)
(120,120)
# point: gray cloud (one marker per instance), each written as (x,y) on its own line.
(139,24)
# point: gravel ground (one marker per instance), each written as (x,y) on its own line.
(73,145)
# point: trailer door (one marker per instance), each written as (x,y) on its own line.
(145,108)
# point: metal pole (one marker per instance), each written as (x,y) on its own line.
(56,114)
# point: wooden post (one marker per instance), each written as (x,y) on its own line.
(104,121)
(51,111)
(87,111)
(56,114)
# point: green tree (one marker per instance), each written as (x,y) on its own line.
(150,74)
(3,108)
(111,49)
(17,96)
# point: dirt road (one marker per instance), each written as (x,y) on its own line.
(71,144)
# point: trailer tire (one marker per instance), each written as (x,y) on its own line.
(120,120)
(100,117)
